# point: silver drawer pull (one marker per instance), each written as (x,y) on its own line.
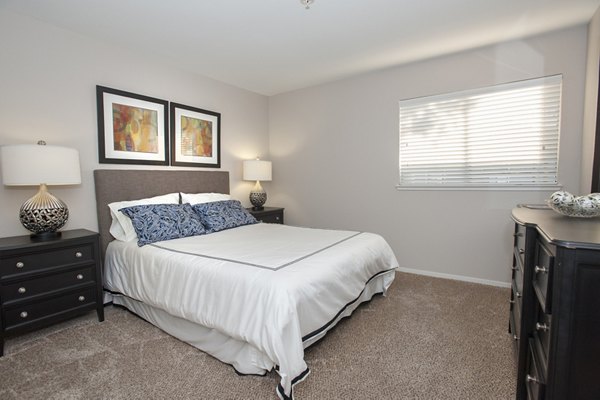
(511,301)
(538,269)
(79,254)
(23,314)
(20,264)
(515,268)
(22,290)
(518,294)
(533,379)
(515,337)
(79,276)
(541,327)
(81,298)
(521,251)
(518,234)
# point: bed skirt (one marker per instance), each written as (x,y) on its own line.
(244,357)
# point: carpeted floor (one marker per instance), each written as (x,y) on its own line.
(428,339)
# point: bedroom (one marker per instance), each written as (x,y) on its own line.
(51,73)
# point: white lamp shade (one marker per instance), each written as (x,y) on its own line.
(32,165)
(257,170)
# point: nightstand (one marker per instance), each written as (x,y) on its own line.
(44,282)
(271,215)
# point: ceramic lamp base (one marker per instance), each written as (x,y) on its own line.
(258,197)
(44,214)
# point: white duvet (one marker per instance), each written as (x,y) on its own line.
(273,286)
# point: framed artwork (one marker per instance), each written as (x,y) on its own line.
(195,137)
(132,129)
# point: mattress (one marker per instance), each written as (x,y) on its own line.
(273,289)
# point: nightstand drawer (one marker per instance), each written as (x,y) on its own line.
(32,287)
(269,215)
(26,263)
(272,219)
(29,314)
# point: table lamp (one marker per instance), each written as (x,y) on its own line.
(257,170)
(32,165)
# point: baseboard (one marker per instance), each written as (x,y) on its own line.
(455,277)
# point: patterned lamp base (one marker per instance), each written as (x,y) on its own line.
(258,197)
(44,214)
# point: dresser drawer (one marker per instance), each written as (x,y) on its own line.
(28,288)
(515,310)
(534,381)
(519,242)
(542,276)
(31,262)
(514,328)
(542,329)
(36,312)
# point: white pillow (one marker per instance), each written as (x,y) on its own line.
(121,227)
(198,198)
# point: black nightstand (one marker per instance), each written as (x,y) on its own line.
(271,215)
(44,282)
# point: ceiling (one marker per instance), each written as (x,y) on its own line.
(276,46)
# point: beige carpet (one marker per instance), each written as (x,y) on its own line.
(428,339)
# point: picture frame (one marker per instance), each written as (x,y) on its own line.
(195,137)
(132,128)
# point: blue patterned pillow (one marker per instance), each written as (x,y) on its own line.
(219,215)
(156,222)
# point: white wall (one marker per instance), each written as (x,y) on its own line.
(48,79)
(335,156)
(591,102)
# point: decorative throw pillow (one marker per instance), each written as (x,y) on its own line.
(121,228)
(156,222)
(219,215)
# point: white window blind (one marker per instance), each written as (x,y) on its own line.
(500,136)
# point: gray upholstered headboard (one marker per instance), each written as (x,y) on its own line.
(130,184)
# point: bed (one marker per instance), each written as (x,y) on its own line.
(253,296)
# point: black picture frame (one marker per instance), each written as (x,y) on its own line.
(195,137)
(141,124)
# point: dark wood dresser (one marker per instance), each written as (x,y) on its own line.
(555,305)
(44,282)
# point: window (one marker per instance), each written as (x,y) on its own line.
(503,136)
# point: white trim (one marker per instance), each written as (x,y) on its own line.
(455,277)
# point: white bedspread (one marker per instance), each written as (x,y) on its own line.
(273,286)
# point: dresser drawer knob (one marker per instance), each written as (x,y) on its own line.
(22,290)
(541,327)
(533,379)
(521,251)
(23,314)
(515,337)
(79,276)
(538,269)
(519,234)
(518,294)
(81,298)
(79,254)
(20,264)
(511,301)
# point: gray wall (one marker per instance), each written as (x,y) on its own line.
(48,79)
(335,156)
(334,147)
(591,102)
